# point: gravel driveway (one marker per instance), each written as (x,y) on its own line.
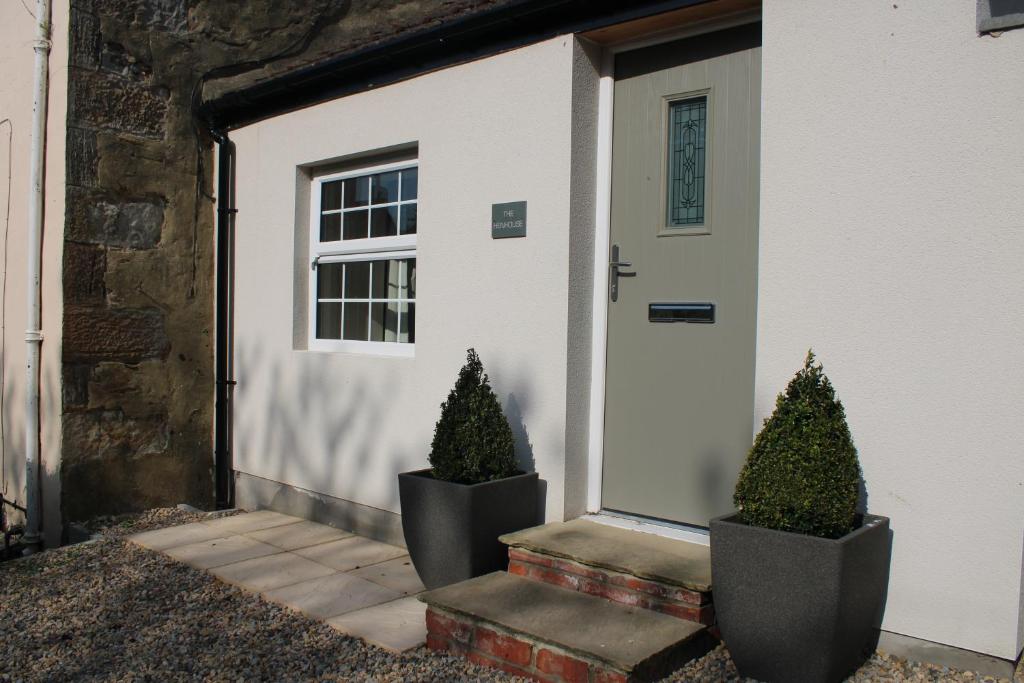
(110,611)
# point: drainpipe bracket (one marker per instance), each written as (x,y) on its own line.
(33,336)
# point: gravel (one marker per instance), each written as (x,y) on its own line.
(717,666)
(106,610)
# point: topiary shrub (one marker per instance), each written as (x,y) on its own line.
(472,441)
(802,475)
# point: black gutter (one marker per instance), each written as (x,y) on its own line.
(224,483)
(471,36)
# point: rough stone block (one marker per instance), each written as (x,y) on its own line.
(75,385)
(84,40)
(139,390)
(84,266)
(107,101)
(115,58)
(111,466)
(100,334)
(134,224)
(82,157)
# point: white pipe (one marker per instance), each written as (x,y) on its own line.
(34,335)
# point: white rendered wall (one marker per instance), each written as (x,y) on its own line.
(490,131)
(892,241)
(17,35)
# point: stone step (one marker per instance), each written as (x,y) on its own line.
(629,567)
(532,629)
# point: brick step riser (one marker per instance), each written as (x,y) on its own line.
(487,645)
(625,589)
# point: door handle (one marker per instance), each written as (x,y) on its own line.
(613,277)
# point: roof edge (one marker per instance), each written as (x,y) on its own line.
(464,39)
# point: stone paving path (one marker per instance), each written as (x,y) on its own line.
(357,585)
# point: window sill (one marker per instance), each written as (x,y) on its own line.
(381,349)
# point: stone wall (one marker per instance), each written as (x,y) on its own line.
(138,377)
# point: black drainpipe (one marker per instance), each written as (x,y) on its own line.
(224,359)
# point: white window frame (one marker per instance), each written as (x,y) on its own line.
(368,249)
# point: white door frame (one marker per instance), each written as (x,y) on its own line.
(602,236)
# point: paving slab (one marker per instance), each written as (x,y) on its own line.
(623,637)
(251,521)
(272,571)
(630,552)
(351,553)
(399,625)
(174,536)
(221,551)
(329,596)
(299,535)
(398,574)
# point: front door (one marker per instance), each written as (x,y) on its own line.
(682,314)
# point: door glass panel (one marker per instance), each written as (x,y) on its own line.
(687,144)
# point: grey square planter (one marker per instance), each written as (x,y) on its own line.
(793,607)
(452,529)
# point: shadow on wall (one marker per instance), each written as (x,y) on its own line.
(350,415)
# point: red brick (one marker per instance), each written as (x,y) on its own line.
(607,676)
(437,643)
(529,556)
(484,660)
(518,568)
(447,626)
(579,569)
(568,669)
(687,612)
(503,647)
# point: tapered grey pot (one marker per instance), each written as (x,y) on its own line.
(452,530)
(793,607)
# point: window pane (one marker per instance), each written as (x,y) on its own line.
(384,321)
(384,222)
(407,333)
(330,227)
(357,280)
(385,280)
(408,219)
(385,187)
(410,278)
(686,162)
(357,191)
(330,198)
(356,321)
(328,281)
(410,179)
(328,321)
(355,225)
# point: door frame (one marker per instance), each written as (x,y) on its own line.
(602,235)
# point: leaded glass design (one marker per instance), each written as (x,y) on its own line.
(687,143)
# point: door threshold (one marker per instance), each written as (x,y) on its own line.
(656,527)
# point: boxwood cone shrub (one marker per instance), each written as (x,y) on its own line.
(473,441)
(802,474)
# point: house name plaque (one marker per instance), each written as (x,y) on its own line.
(508,220)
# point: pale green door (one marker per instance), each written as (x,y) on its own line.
(680,365)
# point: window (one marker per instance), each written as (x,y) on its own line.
(363,254)
(1000,15)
